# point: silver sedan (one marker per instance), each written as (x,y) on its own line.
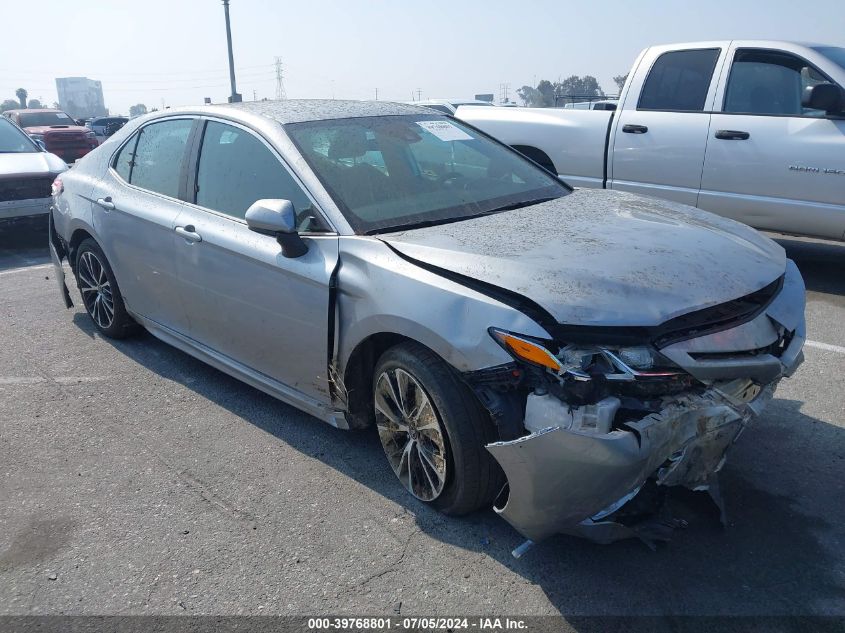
(561,355)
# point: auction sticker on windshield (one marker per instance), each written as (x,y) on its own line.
(445,131)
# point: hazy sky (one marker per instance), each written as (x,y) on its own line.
(174,51)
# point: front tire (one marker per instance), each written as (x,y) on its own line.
(100,293)
(433,431)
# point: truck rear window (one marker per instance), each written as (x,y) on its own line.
(679,81)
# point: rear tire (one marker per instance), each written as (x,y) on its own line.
(416,390)
(100,293)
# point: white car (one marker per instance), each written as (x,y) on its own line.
(751,130)
(26,174)
(449,106)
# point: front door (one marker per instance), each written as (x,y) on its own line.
(658,145)
(772,163)
(243,298)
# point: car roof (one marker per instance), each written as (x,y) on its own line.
(26,110)
(301,110)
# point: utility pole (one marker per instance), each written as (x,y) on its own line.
(280,80)
(419,94)
(376,94)
(503,92)
(234,97)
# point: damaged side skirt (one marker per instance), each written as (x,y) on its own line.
(570,481)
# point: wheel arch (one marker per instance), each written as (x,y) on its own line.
(538,156)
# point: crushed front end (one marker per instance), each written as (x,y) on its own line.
(591,419)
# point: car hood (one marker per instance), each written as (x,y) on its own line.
(600,257)
(41,129)
(30,164)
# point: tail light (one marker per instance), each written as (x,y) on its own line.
(57,187)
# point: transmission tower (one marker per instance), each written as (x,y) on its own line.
(280,80)
(503,92)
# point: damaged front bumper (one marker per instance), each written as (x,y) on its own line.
(575,480)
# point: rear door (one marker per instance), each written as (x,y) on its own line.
(135,208)
(660,136)
(772,163)
(244,299)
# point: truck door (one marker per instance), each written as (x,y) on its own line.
(661,130)
(770,162)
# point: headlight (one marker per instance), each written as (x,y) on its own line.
(583,362)
(525,349)
(90,134)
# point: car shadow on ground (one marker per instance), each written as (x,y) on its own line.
(770,559)
(822,264)
(23,243)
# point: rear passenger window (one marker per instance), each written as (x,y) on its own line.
(236,169)
(123,162)
(157,159)
(679,81)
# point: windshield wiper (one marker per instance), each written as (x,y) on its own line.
(519,205)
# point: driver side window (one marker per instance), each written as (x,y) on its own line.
(236,168)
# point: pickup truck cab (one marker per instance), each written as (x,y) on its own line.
(751,130)
(57,131)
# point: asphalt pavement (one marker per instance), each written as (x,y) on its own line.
(137,480)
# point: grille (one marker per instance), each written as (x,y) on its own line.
(25,188)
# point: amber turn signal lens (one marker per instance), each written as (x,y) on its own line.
(527,350)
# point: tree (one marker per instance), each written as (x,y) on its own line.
(9,104)
(531,97)
(34,104)
(21,94)
(620,80)
(547,89)
(137,110)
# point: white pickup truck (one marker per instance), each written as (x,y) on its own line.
(751,130)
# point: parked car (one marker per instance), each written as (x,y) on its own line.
(751,130)
(57,131)
(26,174)
(514,342)
(106,126)
(449,106)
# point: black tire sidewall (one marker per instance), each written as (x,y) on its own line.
(121,325)
(466,427)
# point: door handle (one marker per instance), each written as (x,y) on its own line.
(189,233)
(634,129)
(732,135)
(106,203)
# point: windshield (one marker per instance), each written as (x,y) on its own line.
(834,53)
(37,119)
(13,141)
(397,172)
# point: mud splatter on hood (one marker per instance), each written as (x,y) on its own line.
(599,257)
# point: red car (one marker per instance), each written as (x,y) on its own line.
(57,131)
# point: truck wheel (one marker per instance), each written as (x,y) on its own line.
(433,431)
(100,294)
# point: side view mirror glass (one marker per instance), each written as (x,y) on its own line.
(825,96)
(278,219)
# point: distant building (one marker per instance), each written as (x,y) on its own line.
(80,97)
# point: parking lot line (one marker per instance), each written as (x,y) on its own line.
(825,346)
(24,269)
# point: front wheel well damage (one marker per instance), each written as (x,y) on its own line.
(78,236)
(358,376)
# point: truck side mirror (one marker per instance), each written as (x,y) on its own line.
(277,218)
(825,96)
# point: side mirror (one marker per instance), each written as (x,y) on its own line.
(278,219)
(41,145)
(825,96)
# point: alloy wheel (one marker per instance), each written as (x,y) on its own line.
(411,433)
(96,289)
